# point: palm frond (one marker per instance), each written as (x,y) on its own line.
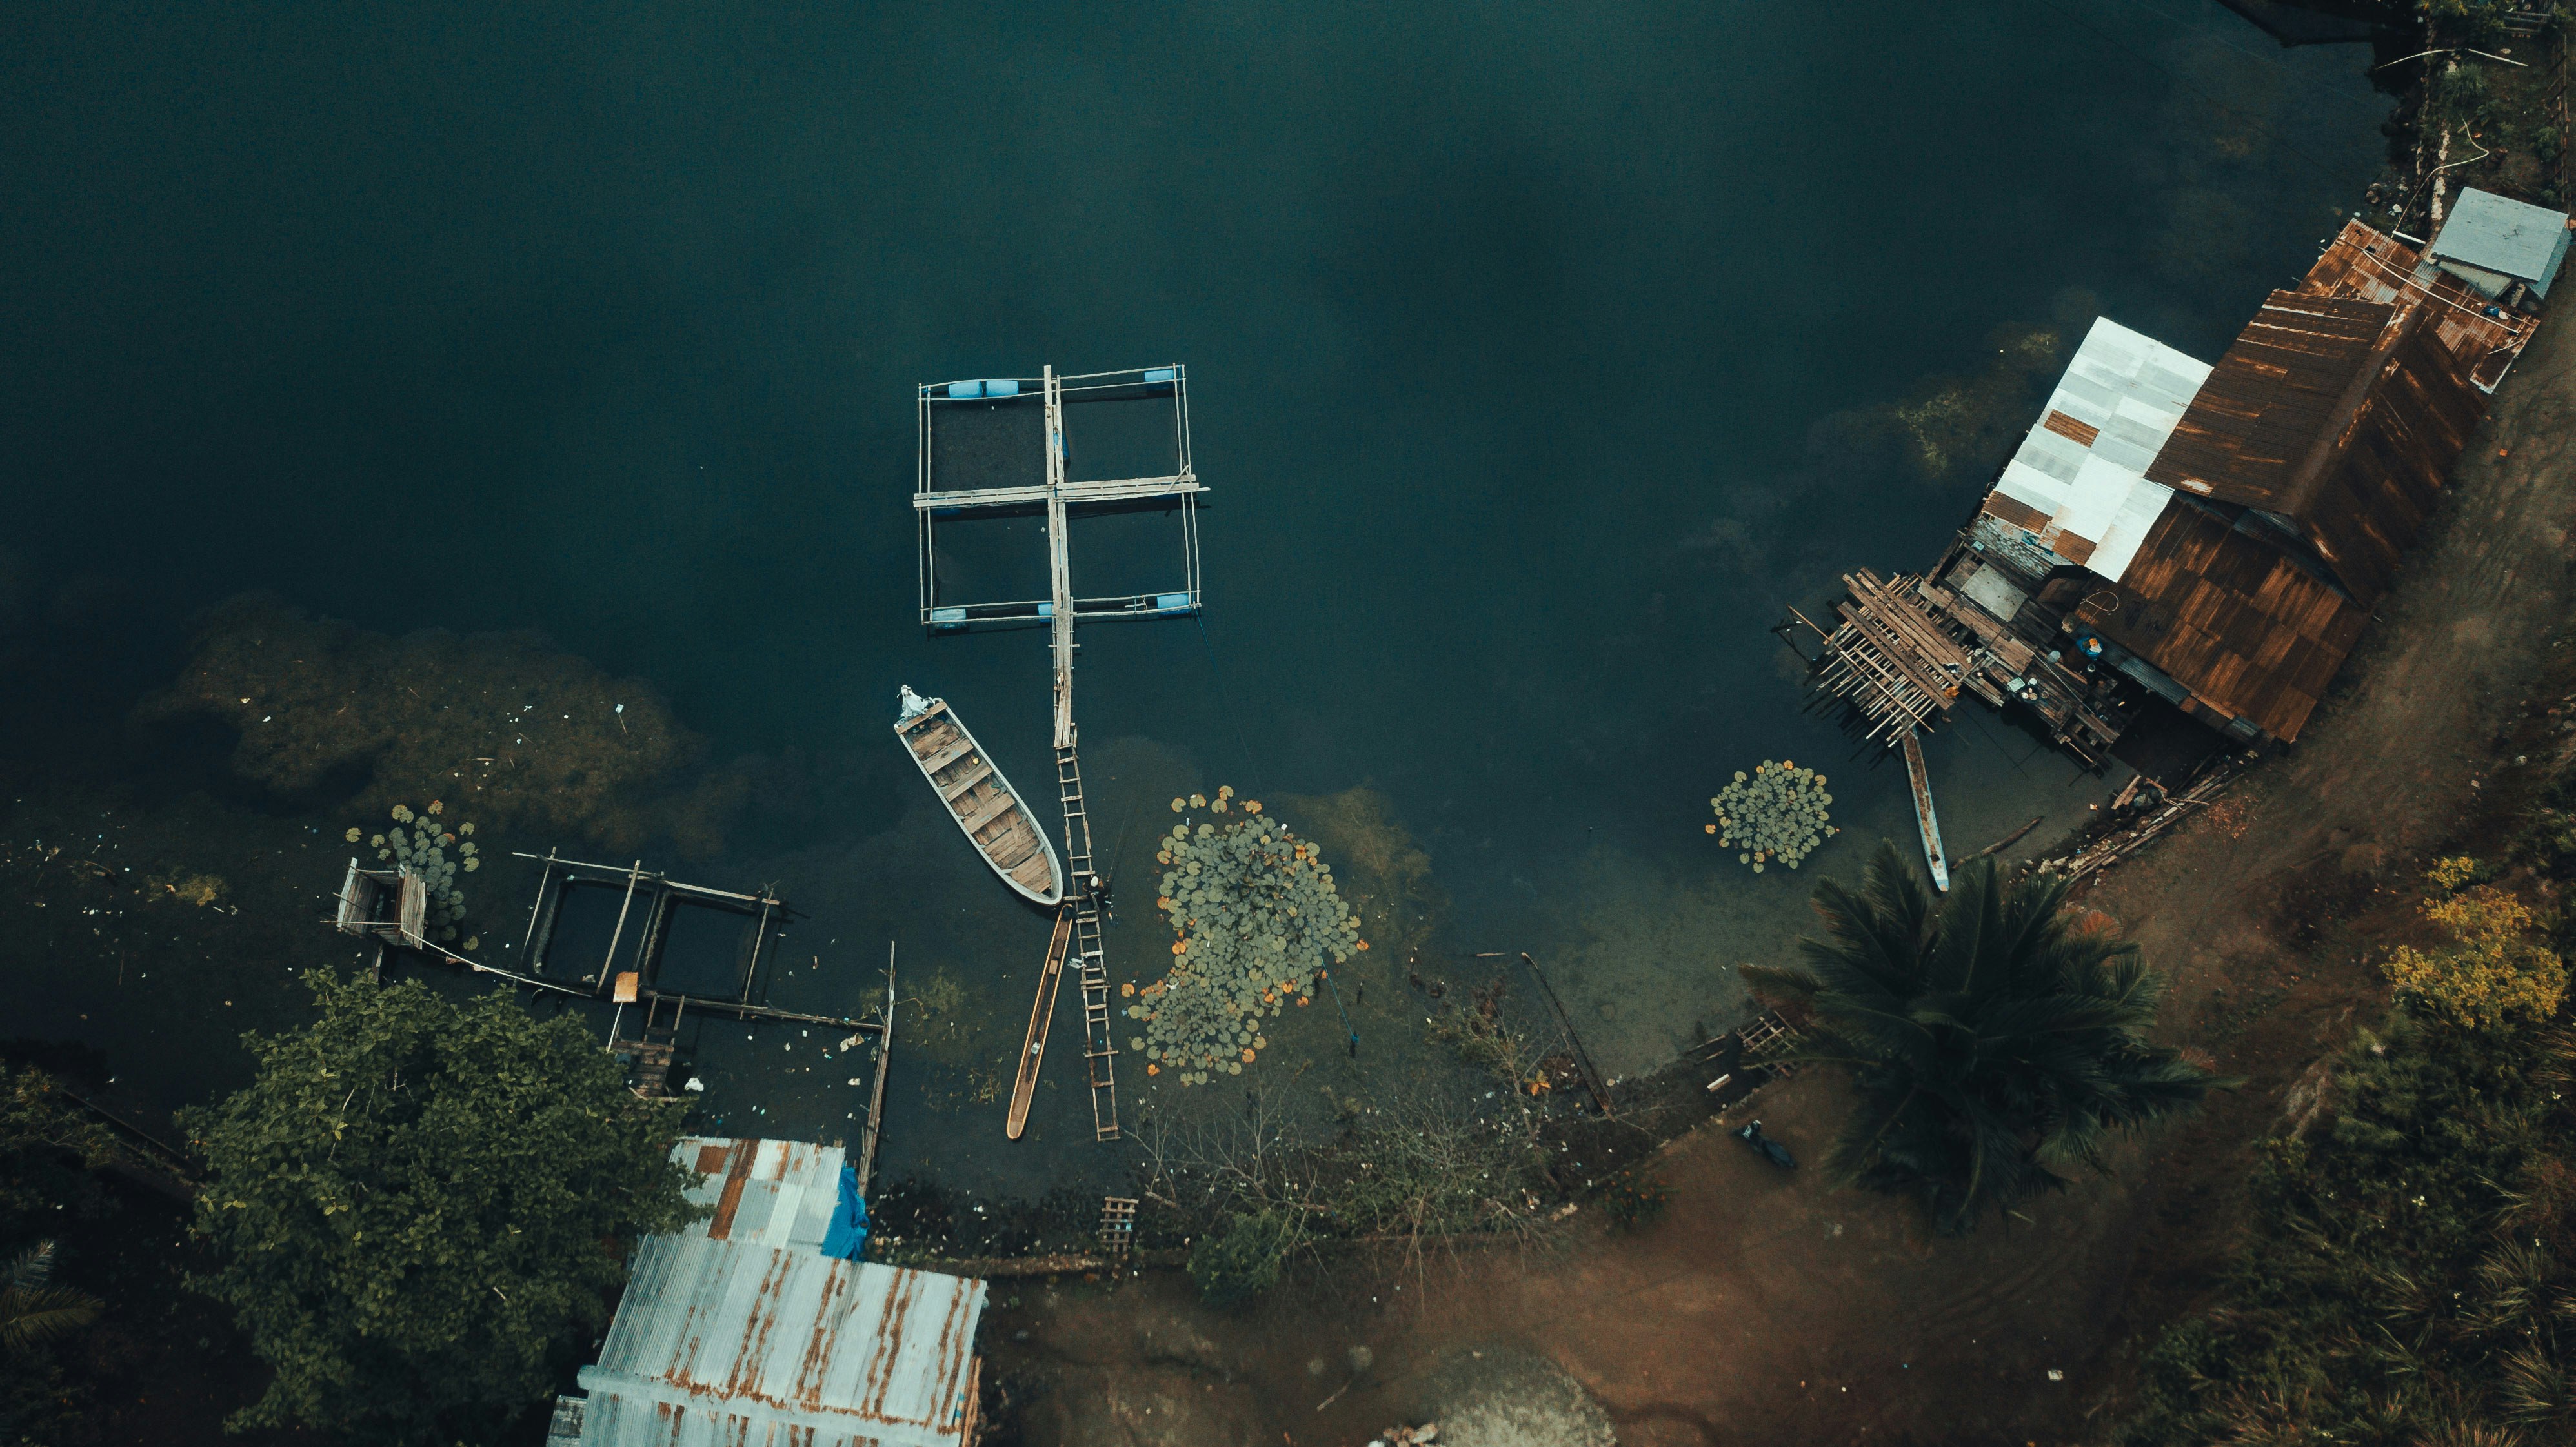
(30,1314)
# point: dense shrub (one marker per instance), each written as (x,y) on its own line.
(2407,1273)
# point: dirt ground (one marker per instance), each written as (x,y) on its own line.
(1765,1307)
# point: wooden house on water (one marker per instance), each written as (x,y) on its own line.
(2173,536)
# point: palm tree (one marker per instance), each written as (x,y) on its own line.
(32,1310)
(1995,1044)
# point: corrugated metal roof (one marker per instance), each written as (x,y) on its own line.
(2342,417)
(2368,266)
(2232,617)
(2078,481)
(2507,237)
(730,1344)
(775,1193)
(2269,399)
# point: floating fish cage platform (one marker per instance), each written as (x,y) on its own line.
(1123,445)
(630,932)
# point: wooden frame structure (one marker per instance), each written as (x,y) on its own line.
(1905,647)
(646,911)
(1025,486)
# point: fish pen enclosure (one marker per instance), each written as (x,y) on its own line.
(650,938)
(1125,449)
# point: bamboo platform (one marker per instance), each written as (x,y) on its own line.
(1904,648)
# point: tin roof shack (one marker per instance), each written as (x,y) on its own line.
(2307,464)
(741,1332)
(2507,251)
(2210,536)
(1990,617)
(2361,264)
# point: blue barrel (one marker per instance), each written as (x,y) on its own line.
(1171,602)
(963,390)
(1161,374)
(1001,387)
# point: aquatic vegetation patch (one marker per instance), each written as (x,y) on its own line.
(419,841)
(1779,812)
(1255,918)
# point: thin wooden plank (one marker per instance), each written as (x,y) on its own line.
(956,788)
(991,809)
(950,754)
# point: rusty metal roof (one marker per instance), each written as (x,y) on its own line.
(2270,398)
(775,1193)
(2232,616)
(2366,265)
(2077,483)
(735,1344)
(2341,417)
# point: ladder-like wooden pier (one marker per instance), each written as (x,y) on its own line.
(1077,941)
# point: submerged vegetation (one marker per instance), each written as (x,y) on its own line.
(414,1204)
(503,723)
(1996,1045)
(1255,917)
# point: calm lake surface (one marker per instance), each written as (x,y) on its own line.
(1539,355)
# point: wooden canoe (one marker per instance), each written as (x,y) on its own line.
(1924,818)
(995,819)
(1024,1087)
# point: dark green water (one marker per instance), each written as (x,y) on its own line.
(1539,355)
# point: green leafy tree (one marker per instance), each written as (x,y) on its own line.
(415,1203)
(48,1148)
(1995,1044)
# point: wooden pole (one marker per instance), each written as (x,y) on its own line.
(876,1095)
(1582,1059)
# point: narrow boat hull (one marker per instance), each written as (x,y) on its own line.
(1924,817)
(993,816)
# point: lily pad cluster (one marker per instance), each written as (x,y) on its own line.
(1255,918)
(1777,813)
(419,842)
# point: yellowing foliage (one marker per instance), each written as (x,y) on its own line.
(2494,971)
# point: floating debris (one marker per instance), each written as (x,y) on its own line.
(1255,916)
(1778,813)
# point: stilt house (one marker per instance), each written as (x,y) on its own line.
(2176,535)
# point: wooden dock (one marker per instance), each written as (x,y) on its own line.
(944,492)
(1904,648)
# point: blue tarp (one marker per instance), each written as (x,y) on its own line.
(847,1235)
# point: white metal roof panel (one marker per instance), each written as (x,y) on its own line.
(777,1193)
(734,1344)
(2081,468)
(2497,234)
